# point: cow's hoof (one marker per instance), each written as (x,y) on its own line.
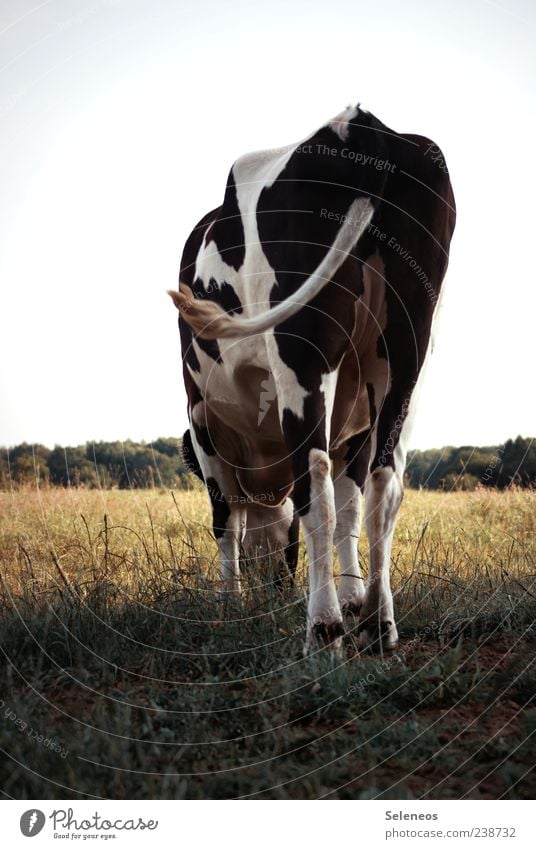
(374,639)
(351,607)
(324,635)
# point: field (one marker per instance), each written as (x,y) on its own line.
(122,678)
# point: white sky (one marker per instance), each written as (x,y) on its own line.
(119,120)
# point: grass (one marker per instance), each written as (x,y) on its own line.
(124,679)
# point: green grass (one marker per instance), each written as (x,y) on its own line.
(116,650)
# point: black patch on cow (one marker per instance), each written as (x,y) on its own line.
(209,346)
(222,294)
(227,230)
(190,457)
(202,434)
(372,405)
(220,509)
(390,424)
(301,435)
(192,246)
(192,389)
(187,271)
(358,447)
(189,356)
(418,221)
(357,457)
(381,347)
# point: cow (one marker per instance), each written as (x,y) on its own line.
(315,284)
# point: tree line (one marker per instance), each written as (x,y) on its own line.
(121,465)
(160,463)
(466,467)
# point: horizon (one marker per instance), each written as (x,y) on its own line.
(150,442)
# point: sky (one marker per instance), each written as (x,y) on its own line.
(119,120)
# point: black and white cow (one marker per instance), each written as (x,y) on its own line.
(315,283)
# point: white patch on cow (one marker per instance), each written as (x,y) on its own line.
(256,277)
(340,124)
(252,286)
(347,529)
(210,267)
(210,379)
(290,393)
(267,396)
(328,385)
(318,526)
(253,173)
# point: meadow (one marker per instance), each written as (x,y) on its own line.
(123,678)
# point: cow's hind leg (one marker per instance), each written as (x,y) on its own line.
(307,439)
(383,496)
(384,492)
(349,475)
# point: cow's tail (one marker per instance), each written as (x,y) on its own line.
(210,321)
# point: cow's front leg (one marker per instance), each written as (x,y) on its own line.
(229,505)
(229,525)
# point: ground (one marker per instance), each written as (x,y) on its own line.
(123,677)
